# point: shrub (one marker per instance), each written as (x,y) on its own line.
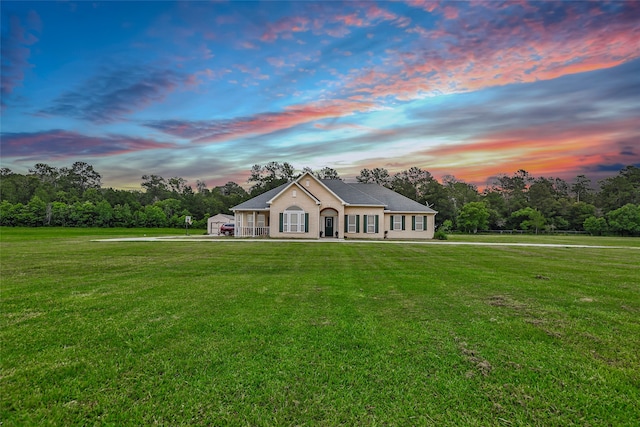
(440,235)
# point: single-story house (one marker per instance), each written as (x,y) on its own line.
(214,222)
(323,208)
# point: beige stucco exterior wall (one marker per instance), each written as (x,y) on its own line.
(362,211)
(407,233)
(294,196)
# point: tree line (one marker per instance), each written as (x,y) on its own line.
(74,197)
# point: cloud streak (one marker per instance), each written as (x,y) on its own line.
(17,41)
(114,95)
(60,144)
(264,123)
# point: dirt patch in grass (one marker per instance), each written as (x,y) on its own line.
(481,365)
(531,317)
(505,301)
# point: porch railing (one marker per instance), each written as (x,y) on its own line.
(252,232)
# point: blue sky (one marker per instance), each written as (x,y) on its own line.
(204,90)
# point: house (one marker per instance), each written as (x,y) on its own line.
(214,223)
(319,208)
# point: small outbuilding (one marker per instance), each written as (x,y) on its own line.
(214,223)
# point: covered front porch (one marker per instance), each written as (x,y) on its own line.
(252,224)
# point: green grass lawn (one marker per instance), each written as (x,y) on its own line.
(278,333)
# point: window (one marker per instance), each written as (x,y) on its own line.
(397,222)
(261,220)
(418,223)
(352,223)
(294,220)
(250,220)
(371,223)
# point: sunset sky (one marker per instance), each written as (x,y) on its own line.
(204,90)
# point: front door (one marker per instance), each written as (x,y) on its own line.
(328,226)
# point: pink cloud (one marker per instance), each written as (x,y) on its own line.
(259,124)
(285,26)
(427,5)
(450,12)
(470,52)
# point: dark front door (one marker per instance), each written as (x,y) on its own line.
(328,226)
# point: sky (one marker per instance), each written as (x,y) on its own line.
(204,90)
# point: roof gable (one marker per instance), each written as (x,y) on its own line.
(294,184)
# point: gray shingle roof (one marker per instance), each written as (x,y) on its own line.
(350,193)
(376,195)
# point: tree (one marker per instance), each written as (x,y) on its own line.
(620,190)
(178,185)
(459,193)
(270,176)
(582,190)
(170,207)
(9,213)
(80,177)
(327,173)
(17,188)
(104,214)
(625,220)
(473,216)
(595,225)
(34,213)
(529,218)
(378,176)
(412,183)
(122,216)
(60,214)
(578,213)
(154,217)
(46,174)
(83,214)
(201,186)
(156,188)
(513,189)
